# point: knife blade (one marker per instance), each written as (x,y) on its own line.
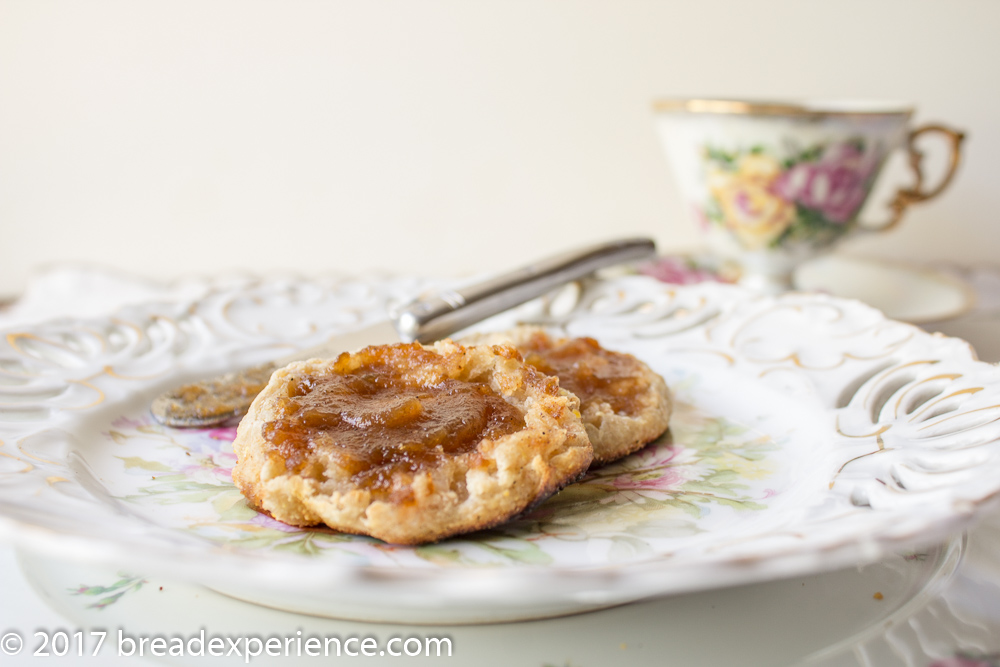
(425,319)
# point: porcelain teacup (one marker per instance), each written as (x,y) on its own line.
(775,183)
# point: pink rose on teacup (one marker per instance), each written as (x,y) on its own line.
(836,185)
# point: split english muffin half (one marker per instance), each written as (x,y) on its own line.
(409,444)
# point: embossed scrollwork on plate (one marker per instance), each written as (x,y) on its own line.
(848,434)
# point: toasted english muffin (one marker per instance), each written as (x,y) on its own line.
(409,444)
(623,403)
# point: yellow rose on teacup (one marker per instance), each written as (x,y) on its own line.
(750,208)
(758,168)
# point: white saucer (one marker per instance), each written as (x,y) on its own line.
(903,292)
(773,623)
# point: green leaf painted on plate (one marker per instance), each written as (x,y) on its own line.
(230,505)
(674,528)
(138,462)
(304,544)
(627,547)
(518,551)
(179,492)
(441,555)
(111,593)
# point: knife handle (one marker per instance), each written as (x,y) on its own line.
(436,316)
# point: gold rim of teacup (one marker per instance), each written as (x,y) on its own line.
(817,109)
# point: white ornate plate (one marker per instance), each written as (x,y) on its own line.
(810,433)
(766,624)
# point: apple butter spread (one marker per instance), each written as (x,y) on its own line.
(408,443)
(378,422)
(586,369)
(624,404)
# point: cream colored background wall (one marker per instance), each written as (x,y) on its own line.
(435,136)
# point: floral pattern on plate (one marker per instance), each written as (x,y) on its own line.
(704,462)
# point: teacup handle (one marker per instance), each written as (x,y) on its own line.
(905,197)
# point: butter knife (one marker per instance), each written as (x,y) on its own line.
(425,319)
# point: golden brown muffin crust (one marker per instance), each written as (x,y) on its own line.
(624,404)
(408,443)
